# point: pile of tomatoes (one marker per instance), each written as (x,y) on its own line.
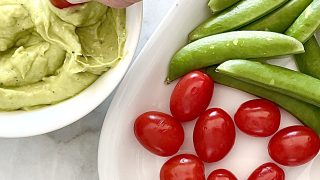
(214,133)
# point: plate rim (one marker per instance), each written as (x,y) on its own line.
(117,95)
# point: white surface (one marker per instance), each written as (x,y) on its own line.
(69,153)
(50,118)
(121,157)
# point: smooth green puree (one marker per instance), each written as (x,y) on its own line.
(48,55)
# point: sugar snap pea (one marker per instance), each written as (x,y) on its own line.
(219,5)
(309,62)
(238,15)
(278,79)
(232,45)
(307,23)
(307,113)
(280,19)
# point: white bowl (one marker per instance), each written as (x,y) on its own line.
(121,157)
(50,118)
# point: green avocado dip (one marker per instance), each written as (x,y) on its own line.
(48,55)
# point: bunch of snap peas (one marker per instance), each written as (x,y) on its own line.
(239,32)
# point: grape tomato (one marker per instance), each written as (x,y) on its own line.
(258,117)
(191,96)
(159,133)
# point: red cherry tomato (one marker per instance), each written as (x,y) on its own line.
(294,146)
(221,174)
(159,133)
(191,96)
(183,167)
(267,171)
(258,117)
(61,4)
(213,135)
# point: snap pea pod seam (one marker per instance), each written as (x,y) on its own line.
(280,19)
(307,113)
(240,14)
(232,45)
(307,23)
(309,62)
(275,78)
(219,5)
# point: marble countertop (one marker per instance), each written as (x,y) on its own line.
(69,153)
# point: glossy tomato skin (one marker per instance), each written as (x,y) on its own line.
(294,146)
(61,4)
(159,133)
(258,117)
(183,167)
(267,171)
(221,174)
(213,135)
(191,96)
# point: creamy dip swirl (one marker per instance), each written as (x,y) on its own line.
(48,55)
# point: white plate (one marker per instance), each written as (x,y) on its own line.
(21,124)
(121,157)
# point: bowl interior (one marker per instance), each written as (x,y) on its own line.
(50,118)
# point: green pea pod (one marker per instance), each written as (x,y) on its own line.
(219,5)
(241,14)
(281,19)
(232,45)
(276,78)
(309,62)
(307,113)
(307,23)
